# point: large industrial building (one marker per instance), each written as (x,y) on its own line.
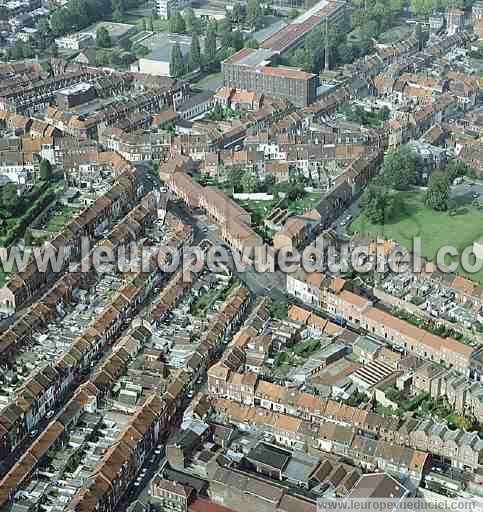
(251,70)
(293,35)
(158,61)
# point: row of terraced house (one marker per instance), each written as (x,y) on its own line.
(334,296)
(463,449)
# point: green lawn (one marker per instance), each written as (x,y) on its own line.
(436,229)
(258,209)
(305,203)
(386,411)
(59,219)
(306,348)
(136,15)
(159,25)
(395,34)
(27,208)
(208,81)
(204,302)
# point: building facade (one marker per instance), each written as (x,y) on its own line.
(249,69)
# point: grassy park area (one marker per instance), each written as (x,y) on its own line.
(305,203)
(259,209)
(60,218)
(211,82)
(458,228)
(397,33)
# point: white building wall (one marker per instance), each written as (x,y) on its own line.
(154,67)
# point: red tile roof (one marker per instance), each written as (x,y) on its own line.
(202,505)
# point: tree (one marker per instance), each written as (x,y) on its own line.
(249,182)
(9,196)
(177,24)
(270,182)
(115,58)
(21,50)
(254,14)
(395,6)
(400,168)
(217,114)
(225,53)
(118,8)
(297,191)
(45,37)
(237,14)
(237,40)
(191,21)
(234,180)
(127,58)
(384,113)
(151,24)
(28,238)
(252,43)
(54,50)
(367,31)
(314,49)
(176,65)
(379,205)
(457,169)
(224,31)
(45,170)
(194,60)
(210,45)
(418,32)
(311,56)
(79,13)
(181,23)
(437,194)
(103,39)
(47,67)
(423,7)
(356,399)
(126,44)
(140,51)
(102,58)
(300,58)
(345,54)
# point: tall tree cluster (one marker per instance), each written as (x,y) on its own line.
(177,67)
(210,46)
(194,58)
(177,24)
(425,8)
(254,14)
(437,195)
(103,39)
(401,168)
(78,14)
(379,205)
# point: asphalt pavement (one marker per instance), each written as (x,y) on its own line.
(469,189)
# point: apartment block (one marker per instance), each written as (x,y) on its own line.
(250,69)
